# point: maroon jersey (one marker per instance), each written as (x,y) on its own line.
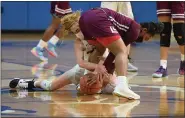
(60,8)
(175,9)
(105,24)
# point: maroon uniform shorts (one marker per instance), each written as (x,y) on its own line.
(60,8)
(174,9)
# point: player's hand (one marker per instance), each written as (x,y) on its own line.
(96,78)
(106,78)
(101,69)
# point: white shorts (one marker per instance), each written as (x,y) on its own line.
(121,7)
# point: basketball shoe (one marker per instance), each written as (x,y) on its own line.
(161,72)
(122,89)
(51,49)
(38,52)
(182,68)
(21,83)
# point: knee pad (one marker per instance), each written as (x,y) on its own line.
(165,35)
(179,33)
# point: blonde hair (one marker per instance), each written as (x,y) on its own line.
(68,20)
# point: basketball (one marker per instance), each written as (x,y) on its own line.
(89,89)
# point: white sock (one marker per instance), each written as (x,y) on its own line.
(42,44)
(54,39)
(122,80)
(163,63)
(46,85)
(35,83)
(182,57)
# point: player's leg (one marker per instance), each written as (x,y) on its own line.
(131,67)
(68,77)
(164,15)
(119,49)
(58,10)
(126,9)
(179,30)
(38,50)
(62,8)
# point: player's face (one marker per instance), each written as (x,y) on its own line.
(147,36)
(75,28)
(144,35)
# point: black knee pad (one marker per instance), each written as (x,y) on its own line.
(165,35)
(179,33)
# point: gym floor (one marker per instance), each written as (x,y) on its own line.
(159,96)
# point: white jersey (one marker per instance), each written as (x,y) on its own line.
(121,7)
(76,72)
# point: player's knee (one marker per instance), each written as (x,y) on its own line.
(179,33)
(46,85)
(165,35)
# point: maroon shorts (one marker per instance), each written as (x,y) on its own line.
(60,8)
(97,29)
(175,9)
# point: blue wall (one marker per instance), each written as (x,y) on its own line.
(36,15)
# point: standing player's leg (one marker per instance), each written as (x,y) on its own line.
(126,9)
(58,10)
(164,15)
(179,30)
(38,50)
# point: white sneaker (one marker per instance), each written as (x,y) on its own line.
(122,89)
(132,68)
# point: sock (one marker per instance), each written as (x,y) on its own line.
(41,44)
(54,39)
(122,80)
(182,57)
(163,63)
(46,85)
(35,83)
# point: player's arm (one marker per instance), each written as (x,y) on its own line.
(78,46)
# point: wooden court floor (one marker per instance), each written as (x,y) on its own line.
(159,96)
